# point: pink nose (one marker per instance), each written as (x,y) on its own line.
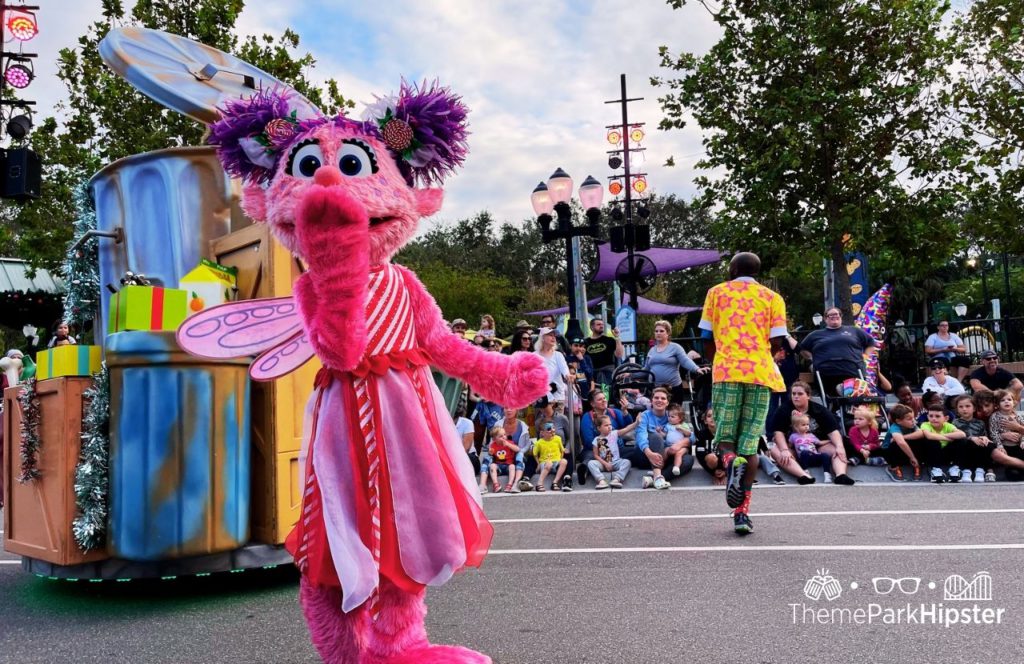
(327,176)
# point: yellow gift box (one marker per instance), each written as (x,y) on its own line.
(73,360)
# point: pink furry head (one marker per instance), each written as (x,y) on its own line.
(385,163)
(423,128)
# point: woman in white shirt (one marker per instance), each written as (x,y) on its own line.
(558,369)
(945,345)
(940,382)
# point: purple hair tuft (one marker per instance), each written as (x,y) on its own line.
(438,120)
(235,134)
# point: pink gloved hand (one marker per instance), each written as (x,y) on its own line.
(331,225)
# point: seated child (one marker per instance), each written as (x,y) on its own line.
(704,449)
(950,440)
(503,459)
(896,447)
(550,456)
(677,441)
(606,455)
(978,453)
(864,437)
(805,445)
(635,401)
(1002,425)
(931,399)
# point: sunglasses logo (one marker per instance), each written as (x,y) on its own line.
(884,585)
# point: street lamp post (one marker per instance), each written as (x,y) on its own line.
(554,196)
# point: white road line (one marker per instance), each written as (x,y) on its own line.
(725,515)
(779,547)
(10,562)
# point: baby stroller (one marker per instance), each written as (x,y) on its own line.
(636,382)
(860,394)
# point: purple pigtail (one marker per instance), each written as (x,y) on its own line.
(252,132)
(425,128)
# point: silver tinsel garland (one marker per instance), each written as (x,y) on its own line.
(92,473)
(29,432)
(81,267)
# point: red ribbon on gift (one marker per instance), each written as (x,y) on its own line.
(156,313)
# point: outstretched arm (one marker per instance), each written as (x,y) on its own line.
(510,380)
(332,230)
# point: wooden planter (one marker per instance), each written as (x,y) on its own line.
(267,269)
(38,514)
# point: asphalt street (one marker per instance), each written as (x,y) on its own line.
(871,573)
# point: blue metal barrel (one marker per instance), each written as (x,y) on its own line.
(179,449)
(170,204)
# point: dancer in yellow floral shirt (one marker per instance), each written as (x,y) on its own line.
(745,323)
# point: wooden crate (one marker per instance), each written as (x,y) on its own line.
(267,269)
(38,514)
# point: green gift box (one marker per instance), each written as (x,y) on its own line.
(147,308)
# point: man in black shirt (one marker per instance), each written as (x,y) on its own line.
(603,350)
(993,377)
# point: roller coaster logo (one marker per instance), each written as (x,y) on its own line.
(978,589)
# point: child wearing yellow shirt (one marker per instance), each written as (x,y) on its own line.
(549,452)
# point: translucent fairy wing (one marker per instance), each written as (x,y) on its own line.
(283,358)
(237,329)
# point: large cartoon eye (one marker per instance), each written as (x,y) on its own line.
(356,159)
(304,160)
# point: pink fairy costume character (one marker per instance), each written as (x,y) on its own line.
(375,529)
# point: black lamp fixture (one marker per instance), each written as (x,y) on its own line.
(614,162)
(19,126)
(554,197)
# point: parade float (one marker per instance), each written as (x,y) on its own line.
(162,463)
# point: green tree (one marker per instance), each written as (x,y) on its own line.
(823,129)
(470,294)
(106,118)
(988,102)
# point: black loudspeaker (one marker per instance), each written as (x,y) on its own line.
(22,174)
(641,237)
(637,236)
(618,239)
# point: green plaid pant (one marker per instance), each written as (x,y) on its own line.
(740,413)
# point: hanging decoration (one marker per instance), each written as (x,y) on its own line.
(639,184)
(92,475)
(615,187)
(29,432)
(614,136)
(636,133)
(81,268)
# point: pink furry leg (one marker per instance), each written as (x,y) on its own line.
(338,637)
(399,637)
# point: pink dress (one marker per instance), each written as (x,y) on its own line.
(388,489)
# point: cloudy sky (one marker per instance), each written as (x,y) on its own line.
(534,74)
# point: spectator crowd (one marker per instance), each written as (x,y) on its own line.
(958,426)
